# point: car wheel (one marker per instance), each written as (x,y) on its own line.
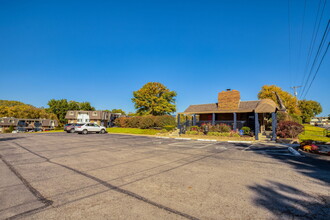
(102,131)
(67,132)
(72,130)
(85,131)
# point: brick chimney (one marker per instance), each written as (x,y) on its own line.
(228,100)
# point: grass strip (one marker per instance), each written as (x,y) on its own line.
(133,131)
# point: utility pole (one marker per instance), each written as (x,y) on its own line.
(295,90)
(295,93)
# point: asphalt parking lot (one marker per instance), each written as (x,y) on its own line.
(70,176)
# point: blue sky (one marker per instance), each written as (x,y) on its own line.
(102,51)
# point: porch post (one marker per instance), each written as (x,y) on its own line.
(274,126)
(194,119)
(179,124)
(256,126)
(213,118)
(235,121)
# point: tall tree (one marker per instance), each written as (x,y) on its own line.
(59,108)
(309,109)
(86,106)
(118,111)
(289,101)
(62,106)
(154,99)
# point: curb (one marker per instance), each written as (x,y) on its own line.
(207,140)
(183,138)
(293,151)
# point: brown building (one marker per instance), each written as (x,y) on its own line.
(103,118)
(232,111)
(27,124)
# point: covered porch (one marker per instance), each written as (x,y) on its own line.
(259,123)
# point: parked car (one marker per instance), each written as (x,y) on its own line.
(86,128)
(70,128)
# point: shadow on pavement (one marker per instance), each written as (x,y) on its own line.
(314,166)
(311,165)
(10,138)
(287,202)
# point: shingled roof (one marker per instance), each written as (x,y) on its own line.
(260,106)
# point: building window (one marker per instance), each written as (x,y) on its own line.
(71,113)
(94,113)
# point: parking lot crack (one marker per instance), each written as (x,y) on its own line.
(33,190)
(115,188)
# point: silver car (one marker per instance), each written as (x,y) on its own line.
(85,128)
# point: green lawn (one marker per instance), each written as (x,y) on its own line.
(313,133)
(133,131)
(53,131)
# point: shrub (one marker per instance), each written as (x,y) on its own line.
(161,121)
(217,128)
(134,122)
(234,134)
(246,130)
(192,132)
(146,122)
(289,129)
(194,128)
(212,133)
(121,122)
(224,128)
(169,127)
(163,131)
(10,129)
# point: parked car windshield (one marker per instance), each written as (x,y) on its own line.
(80,124)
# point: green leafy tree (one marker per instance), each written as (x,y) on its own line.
(289,101)
(309,109)
(73,105)
(118,111)
(59,108)
(86,106)
(154,99)
(62,106)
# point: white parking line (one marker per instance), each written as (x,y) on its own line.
(207,140)
(190,145)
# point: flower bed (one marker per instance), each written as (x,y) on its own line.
(314,147)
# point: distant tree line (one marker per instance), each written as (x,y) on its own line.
(18,109)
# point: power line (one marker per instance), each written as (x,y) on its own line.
(317,69)
(301,35)
(325,34)
(310,45)
(289,26)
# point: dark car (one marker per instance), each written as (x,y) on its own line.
(69,128)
